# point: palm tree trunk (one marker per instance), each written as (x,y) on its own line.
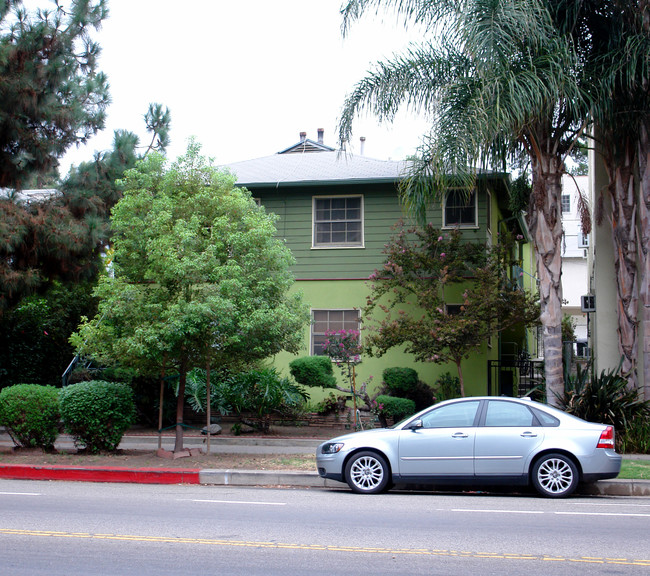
(644,251)
(545,224)
(623,222)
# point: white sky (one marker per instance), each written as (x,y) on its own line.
(245,77)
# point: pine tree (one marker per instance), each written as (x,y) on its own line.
(51,94)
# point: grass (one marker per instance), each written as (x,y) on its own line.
(635,470)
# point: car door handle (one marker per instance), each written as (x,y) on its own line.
(528,435)
(459,435)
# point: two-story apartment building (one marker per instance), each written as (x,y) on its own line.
(336,212)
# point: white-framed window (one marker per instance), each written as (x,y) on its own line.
(337,221)
(583,240)
(460,209)
(566,203)
(331,320)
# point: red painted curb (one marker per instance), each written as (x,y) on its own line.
(101,474)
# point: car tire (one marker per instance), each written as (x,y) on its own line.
(555,476)
(367,473)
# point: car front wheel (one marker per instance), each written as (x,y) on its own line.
(367,473)
(555,476)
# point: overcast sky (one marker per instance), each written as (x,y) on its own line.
(245,77)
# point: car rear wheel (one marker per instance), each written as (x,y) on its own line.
(367,473)
(555,476)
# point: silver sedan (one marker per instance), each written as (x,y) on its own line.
(477,441)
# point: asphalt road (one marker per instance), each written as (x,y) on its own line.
(61,528)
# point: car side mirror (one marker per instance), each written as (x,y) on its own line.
(415,425)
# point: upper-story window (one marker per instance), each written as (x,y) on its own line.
(460,209)
(338,221)
(583,240)
(566,203)
(453,309)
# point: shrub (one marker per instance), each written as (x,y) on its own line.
(97,413)
(605,398)
(447,387)
(313,371)
(399,381)
(635,439)
(393,408)
(30,412)
(331,404)
(404,383)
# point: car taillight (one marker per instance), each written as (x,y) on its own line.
(606,438)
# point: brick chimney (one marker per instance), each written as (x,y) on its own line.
(320,135)
(362,146)
(303,136)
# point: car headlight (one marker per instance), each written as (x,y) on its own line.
(332,447)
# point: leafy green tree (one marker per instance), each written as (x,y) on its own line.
(51,94)
(500,81)
(200,278)
(408,301)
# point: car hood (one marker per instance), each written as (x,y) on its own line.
(361,436)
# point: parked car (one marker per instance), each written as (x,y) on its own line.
(480,441)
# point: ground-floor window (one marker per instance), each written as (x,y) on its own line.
(330,320)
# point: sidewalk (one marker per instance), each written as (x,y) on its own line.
(217,477)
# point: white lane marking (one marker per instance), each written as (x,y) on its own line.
(628,514)
(611,505)
(238,502)
(20,494)
(606,514)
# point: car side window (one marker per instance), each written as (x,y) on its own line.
(546,419)
(508,414)
(461,414)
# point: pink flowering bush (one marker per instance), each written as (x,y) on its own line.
(343,346)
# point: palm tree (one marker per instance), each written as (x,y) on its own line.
(622,120)
(500,82)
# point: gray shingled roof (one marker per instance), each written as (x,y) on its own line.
(323,168)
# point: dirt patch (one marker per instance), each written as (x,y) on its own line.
(149,459)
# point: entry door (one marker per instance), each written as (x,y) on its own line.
(444,445)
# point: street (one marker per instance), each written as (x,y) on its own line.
(61,528)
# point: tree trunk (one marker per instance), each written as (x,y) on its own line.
(644,250)
(461,382)
(545,224)
(620,171)
(180,405)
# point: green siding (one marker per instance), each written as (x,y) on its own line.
(334,278)
(352,294)
(294,207)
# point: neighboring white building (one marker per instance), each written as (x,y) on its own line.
(575,256)
(28,195)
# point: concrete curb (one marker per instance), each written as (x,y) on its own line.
(298,479)
(617,488)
